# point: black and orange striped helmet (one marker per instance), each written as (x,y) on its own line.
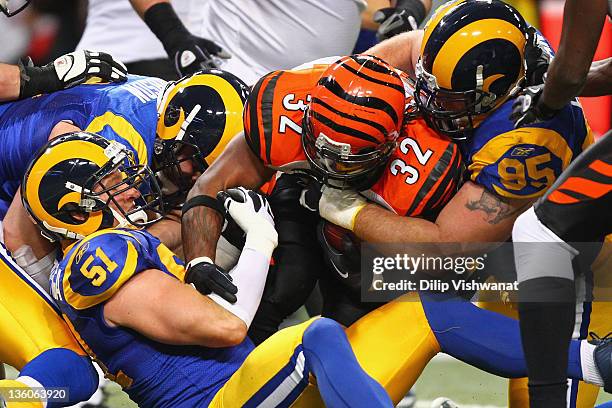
(353,121)
(471,62)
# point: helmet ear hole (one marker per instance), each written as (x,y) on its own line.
(74,212)
(172,116)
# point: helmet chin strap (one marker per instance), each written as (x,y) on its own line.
(138,216)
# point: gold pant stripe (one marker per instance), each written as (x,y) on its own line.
(29,324)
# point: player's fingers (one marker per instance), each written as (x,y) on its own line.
(229,295)
(119,66)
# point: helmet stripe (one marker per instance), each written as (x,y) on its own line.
(363,75)
(375,103)
(342,129)
(371,62)
(376,125)
(460,15)
(435,20)
(459,44)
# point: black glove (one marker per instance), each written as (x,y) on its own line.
(537,58)
(69,70)
(526,109)
(311,194)
(189,53)
(209,278)
(405,16)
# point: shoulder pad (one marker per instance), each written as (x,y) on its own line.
(521,163)
(99,265)
(273,115)
(422,175)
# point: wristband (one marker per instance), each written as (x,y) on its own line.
(37,80)
(198,260)
(203,201)
(166,25)
(546,112)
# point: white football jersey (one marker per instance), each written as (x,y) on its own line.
(113,26)
(261,35)
(266,35)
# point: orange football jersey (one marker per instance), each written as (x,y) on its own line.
(421,176)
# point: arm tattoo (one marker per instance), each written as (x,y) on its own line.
(496,208)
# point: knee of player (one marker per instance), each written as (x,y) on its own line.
(63,368)
(322,332)
(524,224)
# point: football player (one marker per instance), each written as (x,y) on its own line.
(468,73)
(581,198)
(126,113)
(122,292)
(574,210)
(342,122)
(37,341)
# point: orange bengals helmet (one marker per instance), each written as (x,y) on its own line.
(354,118)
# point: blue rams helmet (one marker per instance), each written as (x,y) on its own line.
(472,60)
(67,190)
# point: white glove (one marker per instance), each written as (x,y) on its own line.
(341,207)
(252,212)
(80,66)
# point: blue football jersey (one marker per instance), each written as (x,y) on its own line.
(524,162)
(124,112)
(153,374)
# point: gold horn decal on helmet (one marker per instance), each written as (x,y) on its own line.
(233,106)
(469,37)
(124,129)
(435,19)
(169,132)
(71,197)
(65,151)
(489,80)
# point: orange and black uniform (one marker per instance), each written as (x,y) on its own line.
(577,207)
(421,175)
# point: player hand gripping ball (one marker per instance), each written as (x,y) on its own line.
(252,212)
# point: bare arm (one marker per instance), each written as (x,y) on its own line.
(582,25)
(170,312)
(143,5)
(236,166)
(599,79)
(168,231)
(9,82)
(484,218)
(401,51)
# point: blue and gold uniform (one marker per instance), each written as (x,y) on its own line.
(523,163)
(126,113)
(274,374)
(152,374)
(123,112)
